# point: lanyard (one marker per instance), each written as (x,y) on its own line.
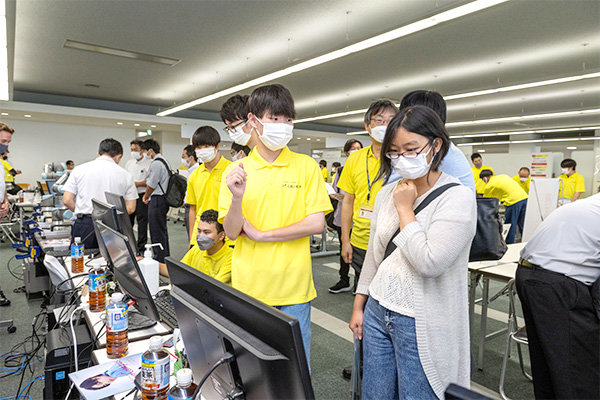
(369,184)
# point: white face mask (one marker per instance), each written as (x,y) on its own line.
(412,168)
(523,179)
(239,136)
(185,163)
(352,151)
(564,170)
(147,156)
(206,154)
(378,133)
(276,136)
(135,155)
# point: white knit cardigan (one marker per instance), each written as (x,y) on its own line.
(436,249)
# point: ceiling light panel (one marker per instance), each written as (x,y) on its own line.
(394,34)
(524,117)
(111,51)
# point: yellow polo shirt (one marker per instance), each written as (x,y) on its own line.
(505,189)
(524,185)
(354,180)
(325,174)
(479,183)
(277,195)
(203,189)
(8,177)
(217,265)
(570,185)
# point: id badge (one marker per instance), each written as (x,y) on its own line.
(366,211)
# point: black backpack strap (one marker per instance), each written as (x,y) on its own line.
(391,246)
(168,172)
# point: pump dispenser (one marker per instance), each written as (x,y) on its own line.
(149,268)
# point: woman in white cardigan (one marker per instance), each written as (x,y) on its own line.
(412,306)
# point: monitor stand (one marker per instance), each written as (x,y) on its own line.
(138,321)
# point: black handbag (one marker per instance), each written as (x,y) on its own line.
(488,243)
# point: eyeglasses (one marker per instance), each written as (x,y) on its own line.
(392,155)
(231,129)
(380,121)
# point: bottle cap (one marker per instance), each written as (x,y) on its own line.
(184,377)
(155,343)
(77,239)
(116,297)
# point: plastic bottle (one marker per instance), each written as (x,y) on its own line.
(77,256)
(156,371)
(149,268)
(185,388)
(117,325)
(97,287)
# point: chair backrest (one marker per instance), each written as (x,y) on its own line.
(57,272)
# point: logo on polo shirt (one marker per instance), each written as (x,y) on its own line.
(291,184)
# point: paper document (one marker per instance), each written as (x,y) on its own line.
(105,380)
(330,189)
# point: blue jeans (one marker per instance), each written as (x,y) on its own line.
(302,313)
(515,216)
(391,365)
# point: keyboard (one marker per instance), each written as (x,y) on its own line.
(166,310)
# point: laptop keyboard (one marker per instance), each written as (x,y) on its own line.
(166,310)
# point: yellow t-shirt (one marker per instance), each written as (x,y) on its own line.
(505,189)
(524,185)
(325,174)
(277,195)
(203,189)
(354,180)
(571,185)
(8,177)
(217,265)
(479,183)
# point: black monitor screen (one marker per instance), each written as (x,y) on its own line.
(127,271)
(122,216)
(107,214)
(215,318)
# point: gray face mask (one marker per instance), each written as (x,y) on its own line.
(204,242)
(3,148)
(479,164)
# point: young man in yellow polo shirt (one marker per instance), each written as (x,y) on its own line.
(572,183)
(9,175)
(234,113)
(271,202)
(358,181)
(511,195)
(324,172)
(205,182)
(211,255)
(477,168)
(523,179)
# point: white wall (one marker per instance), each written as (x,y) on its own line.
(36,143)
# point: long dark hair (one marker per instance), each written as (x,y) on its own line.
(416,119)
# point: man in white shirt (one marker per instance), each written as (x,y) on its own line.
(555,279)
(156,186)
(90,181)
(138,167)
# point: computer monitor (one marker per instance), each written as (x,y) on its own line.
(127,271)
(122,216)
(49,184)
(107,214)
(40,188)
(215,318)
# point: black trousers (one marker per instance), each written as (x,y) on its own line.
(141,214)
(157,217)
(344,266)
(563,333)
(358,259)
(186,219)
(83,227)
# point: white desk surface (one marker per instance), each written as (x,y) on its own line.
(24,204)
(502,272)
(512,255)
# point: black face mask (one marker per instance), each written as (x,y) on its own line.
(5,157)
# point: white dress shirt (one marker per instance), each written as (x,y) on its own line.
(90,180)
(139,170)
(568,241)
